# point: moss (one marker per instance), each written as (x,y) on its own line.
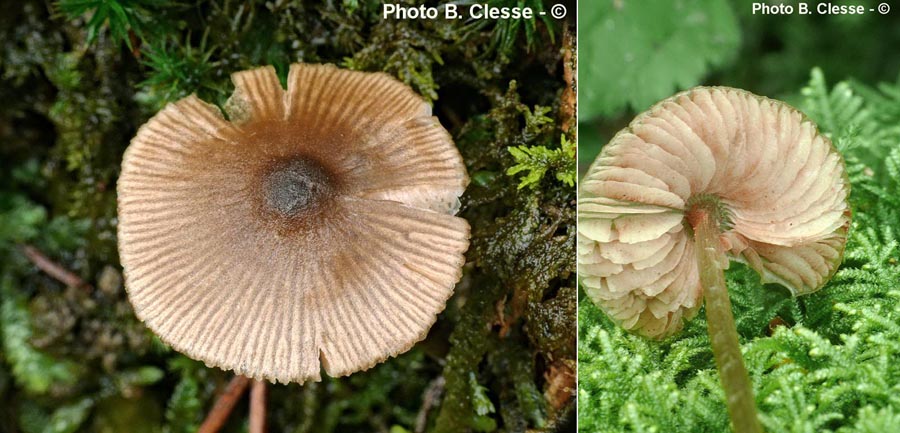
(470,341)
(78,91)
(552,324)
(525,244)
(406,49)
(524,406)
(36,372)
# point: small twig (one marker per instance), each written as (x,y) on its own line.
(223,406)
(53,269)
(258,407)
(429,399)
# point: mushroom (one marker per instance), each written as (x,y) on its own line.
(312,229)
(708,175)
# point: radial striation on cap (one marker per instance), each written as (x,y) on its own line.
(779,185)
(312,229)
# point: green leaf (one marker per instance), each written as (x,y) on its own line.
(635,53)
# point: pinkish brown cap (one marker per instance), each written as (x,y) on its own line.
(780,185)
(313,229)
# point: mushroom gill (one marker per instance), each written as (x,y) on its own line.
(312,229)
(776,185)
(707,175)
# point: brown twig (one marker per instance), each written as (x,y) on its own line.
(258,407)
(223,406)
(53,269)
(432,394)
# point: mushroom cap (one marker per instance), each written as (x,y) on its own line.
(314,229)
(779,187)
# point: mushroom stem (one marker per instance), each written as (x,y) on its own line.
(258,407)
(720,325)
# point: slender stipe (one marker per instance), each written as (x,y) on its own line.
(720,325)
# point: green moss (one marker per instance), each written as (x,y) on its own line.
(35,371)
(405,49)
(469,342)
